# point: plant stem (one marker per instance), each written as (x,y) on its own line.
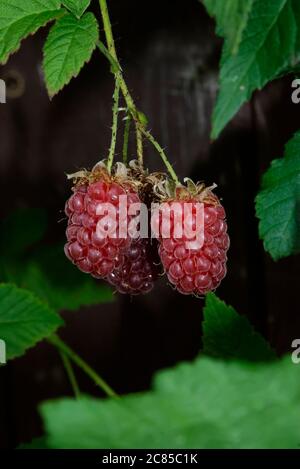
(70,373)
(139,145)
(115,110)
(112,50)
(123,86)
(160,150)
(64,348)
(126,138)
(115,65)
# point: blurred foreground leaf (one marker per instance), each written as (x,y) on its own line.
(36,443)
(206,404)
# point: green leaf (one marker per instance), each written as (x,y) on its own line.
(278,203)
(231,17)
(70,44)
(270,46)
(77,7)
(206,404)
(52,277)
(24,320)
(228,335)
(18,19)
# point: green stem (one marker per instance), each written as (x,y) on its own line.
(139,145)
(112,50)
(107,28)
(161,152)
(114,129)
(114,64)
(123,86)
(126,139)
(70,373)
(64,348)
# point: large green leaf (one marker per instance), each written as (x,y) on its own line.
(231,17)
(270,45)
(228,335)
(77,7)
(24,320)
(70,44)
(19,18)
(206,404)
(278,203)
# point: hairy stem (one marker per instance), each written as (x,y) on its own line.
(64,348)
(126,139)
(114,129)
(114,64)
(139,145)
(70,373)
(140,125)
(161,152)
(112,50)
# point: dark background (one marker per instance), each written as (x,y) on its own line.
(170,55)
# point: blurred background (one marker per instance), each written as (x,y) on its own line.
(170,56)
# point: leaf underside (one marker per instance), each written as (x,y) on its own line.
(231,18)
(269,46)
(278,203)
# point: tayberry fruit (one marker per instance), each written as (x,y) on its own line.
(95,244)
(193,267)
(139,268)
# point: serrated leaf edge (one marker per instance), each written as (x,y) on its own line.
(38,301)
(75,75)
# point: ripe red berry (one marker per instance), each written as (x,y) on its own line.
(138,269)
(91,253)
(190,269)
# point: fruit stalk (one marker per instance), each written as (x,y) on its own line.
(64,348)
(115,110)
(70,373)
(140,125)
(139,143)
(112,50)
(161,152)
(126,138)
